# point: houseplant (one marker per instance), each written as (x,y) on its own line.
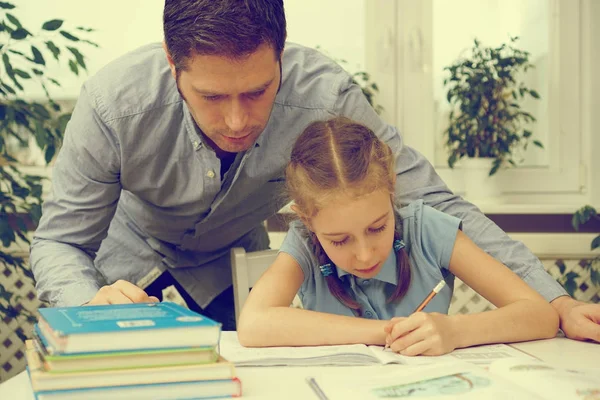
(568,280)
(486,121)
(26,56)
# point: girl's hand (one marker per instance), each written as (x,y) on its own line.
(429,334)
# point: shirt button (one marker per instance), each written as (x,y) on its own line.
(210,173)
(366,282)
(368,314)
(197,145)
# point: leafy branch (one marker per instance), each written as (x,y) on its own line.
(486,119)
(25,58)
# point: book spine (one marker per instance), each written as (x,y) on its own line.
(239,383)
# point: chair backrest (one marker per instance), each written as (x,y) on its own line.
(246,268)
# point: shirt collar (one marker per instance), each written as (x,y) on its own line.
(387,274)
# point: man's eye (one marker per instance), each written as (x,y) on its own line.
(211,98)
(255,95)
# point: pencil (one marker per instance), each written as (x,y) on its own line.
(316,388)
(424,303)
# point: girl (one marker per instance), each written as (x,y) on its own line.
(353,254)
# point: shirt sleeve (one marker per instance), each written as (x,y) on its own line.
(438,235)
(297,245)
(417,179)
(76,216)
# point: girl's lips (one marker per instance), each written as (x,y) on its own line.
(366,271)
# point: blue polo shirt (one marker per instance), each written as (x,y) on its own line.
(429,237)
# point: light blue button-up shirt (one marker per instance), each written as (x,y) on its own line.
(429,237)
(134,188)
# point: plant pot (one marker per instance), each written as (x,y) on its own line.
(479,186)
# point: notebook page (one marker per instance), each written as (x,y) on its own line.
(481,355)
(435,381)
(535,376)
(356,354)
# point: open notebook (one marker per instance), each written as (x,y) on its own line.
(354,354)
(514,378)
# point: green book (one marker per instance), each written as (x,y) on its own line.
(123,359)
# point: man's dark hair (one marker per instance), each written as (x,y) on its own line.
(231,28)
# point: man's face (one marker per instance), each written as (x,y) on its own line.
(230,99)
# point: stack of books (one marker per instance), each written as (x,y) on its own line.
(128,351)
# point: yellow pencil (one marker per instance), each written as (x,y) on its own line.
(424,303)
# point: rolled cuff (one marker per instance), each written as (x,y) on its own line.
(542,282)
(75,295)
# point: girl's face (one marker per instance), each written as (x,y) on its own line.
(357,234)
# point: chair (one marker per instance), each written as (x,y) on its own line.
(246,268)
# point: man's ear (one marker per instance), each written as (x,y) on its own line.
(170,60)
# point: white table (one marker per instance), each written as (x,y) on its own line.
(289,382)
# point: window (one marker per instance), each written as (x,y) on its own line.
(409,43)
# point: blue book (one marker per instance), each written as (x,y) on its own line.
(118,327)
(159,391)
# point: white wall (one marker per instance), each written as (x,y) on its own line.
(337,26)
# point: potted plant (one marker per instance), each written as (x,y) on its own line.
(26,55)
(486,124)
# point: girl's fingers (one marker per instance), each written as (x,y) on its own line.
(407,340)
(392,322)
(405,326)
(416,349)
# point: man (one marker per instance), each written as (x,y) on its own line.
(171,160)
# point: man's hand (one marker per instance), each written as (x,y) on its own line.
(121,292)
(578,320)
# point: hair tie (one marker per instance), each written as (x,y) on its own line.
(326,269)
(398,245)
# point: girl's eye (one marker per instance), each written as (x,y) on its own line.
(339,243)
(380,229)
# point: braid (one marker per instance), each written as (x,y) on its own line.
(403,267)
(334,283)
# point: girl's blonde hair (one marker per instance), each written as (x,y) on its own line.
(341,157)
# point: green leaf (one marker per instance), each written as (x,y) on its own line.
(73,66)
(83,28)
(78,56)
(538,144)
(57,83)
(22,74)
(561,266)
(52,25)
(6,6)
(37,71)
(596,242)
(53,49)
(69,36)
(49,153)
(19,34)
(14,20)
(90,42)
(38,58)
(527,133)
(534,94)
(595,276)
(8,88)
(7,65)
(569,283)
